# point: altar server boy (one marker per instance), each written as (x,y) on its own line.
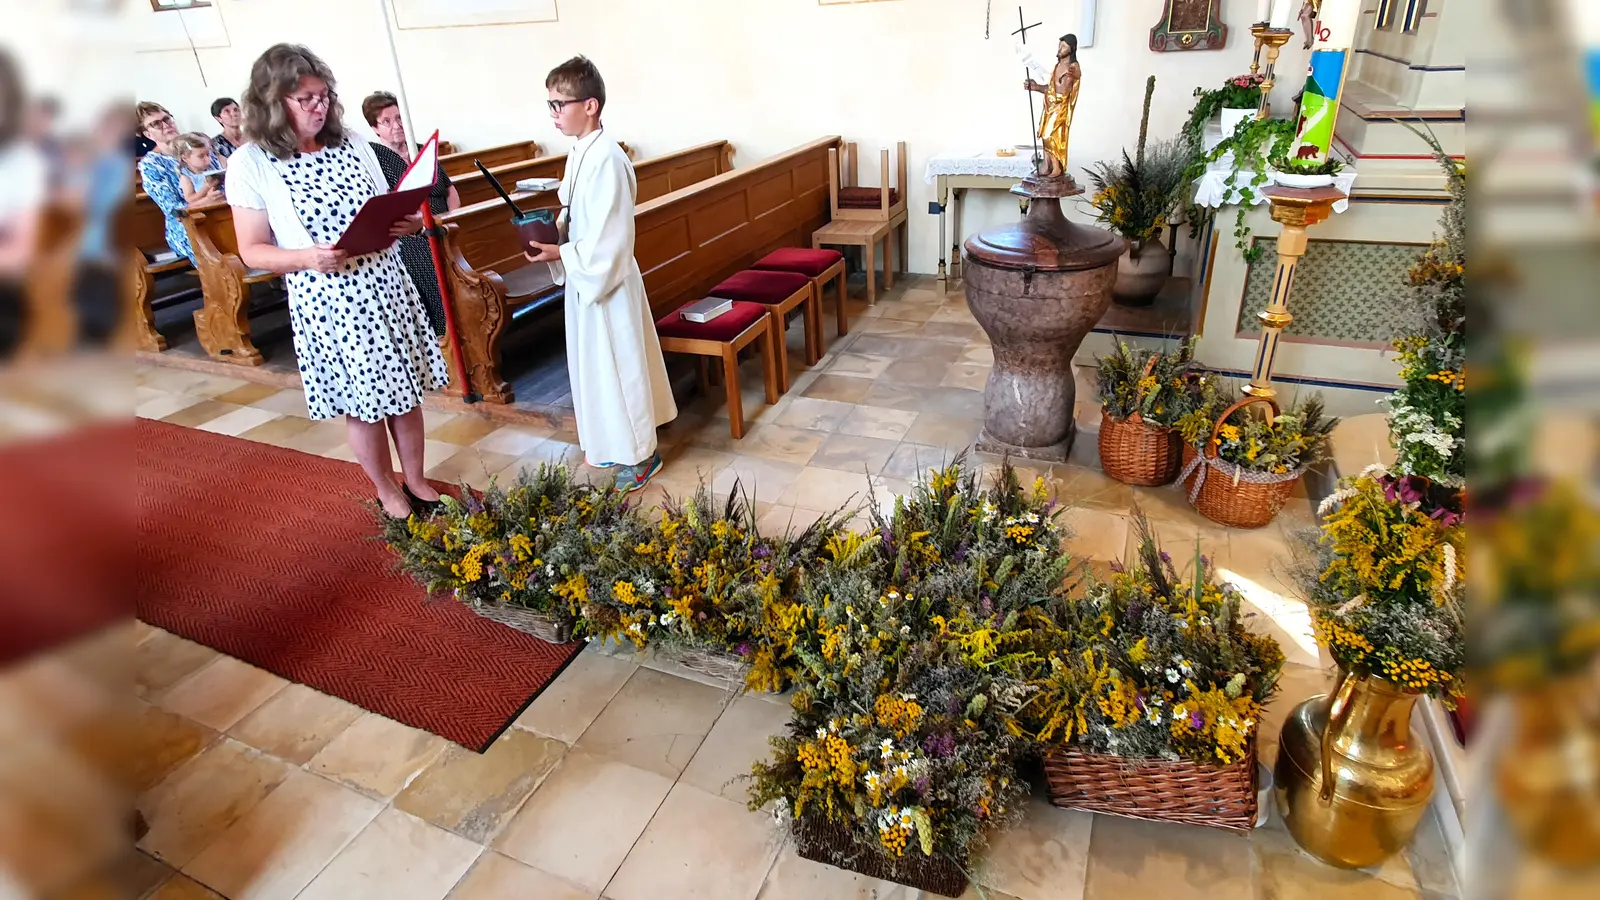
(620,392)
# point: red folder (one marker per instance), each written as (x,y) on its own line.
(369,230)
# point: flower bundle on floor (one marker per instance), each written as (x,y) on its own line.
(1149,665)
(526,546)
(1170,390)
(1384,581)
(1289,443)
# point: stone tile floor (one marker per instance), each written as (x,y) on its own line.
(620,780)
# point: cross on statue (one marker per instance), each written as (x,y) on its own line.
(1022,32)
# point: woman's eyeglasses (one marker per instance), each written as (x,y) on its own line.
(557,106)
(160,124)
(312,102)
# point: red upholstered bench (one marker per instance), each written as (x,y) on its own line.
(723,337)
(821,266)
(781,293)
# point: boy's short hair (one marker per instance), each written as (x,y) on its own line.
(578,77)
(220,104)
(375,104)
(186,143)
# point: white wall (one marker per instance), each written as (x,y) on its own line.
(765,74)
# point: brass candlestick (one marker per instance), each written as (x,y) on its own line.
(1273,39)
(1296,209)
(1256,31)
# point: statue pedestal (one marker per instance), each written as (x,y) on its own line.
(1037,288)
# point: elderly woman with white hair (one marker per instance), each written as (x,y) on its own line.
(361,337)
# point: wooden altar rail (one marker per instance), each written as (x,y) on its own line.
(490,282)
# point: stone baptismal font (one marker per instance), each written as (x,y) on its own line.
(1038,287)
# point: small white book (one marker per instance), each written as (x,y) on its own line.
(705,310)
(538,184)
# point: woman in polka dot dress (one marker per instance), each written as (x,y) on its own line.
(361,336)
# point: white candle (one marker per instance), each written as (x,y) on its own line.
(1282,12)
(1262,8)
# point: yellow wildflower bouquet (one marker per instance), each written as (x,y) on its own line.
(526,546)
(1149,665)
(1171,389)
(1384,580)
(1290,443)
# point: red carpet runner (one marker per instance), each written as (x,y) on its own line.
(268,555)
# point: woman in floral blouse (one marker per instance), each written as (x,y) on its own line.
(159,170)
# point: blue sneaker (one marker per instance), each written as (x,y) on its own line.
(632,478)
(604,465)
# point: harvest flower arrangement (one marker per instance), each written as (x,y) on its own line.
(1384,582)
(1149,665)
(1287,444)
(1168,391)
(1135,197)
(513,550)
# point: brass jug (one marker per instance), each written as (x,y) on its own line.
(1352,784)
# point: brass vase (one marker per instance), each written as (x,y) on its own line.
(1547,775)
(1352,783)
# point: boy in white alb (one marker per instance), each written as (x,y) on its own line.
(620,392)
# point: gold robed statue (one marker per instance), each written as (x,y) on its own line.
(1060,100)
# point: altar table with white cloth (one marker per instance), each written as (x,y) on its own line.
(959,172)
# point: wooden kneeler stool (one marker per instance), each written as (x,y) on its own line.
(781,293)
(821,266)
(723,338)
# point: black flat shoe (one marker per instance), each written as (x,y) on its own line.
(423,508)
(386,513)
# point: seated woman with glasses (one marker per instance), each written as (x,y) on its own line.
(361,337)
(160,170)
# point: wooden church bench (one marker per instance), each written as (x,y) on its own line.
(472,187)
(492,285)
(222,323)
(460,162)
(142,228)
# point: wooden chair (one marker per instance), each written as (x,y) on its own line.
(866,216)
(781,293)
(821,266)
(723,338)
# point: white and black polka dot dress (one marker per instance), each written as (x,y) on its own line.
(361,337)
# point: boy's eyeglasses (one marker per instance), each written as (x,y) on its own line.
(314,101)
(558,105)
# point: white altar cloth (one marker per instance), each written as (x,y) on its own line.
(980,163)
(1211,188)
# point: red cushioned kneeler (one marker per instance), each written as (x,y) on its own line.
(761,286)
(810,263)
(724,328)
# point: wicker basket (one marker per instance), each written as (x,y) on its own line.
(1155,789)
(1135,452)
(1228,494)
(524,620)
(830,844)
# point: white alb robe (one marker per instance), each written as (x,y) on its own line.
(620,391)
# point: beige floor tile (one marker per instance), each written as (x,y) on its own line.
(950,332)
(466,429)
(377,756)
(247,394)
(884,324)
(550,452)
(324,436)
(182,887)
(279,432)
(781,443)
(1288,873)
(133,875)
(475,467)
(296,723)
(814,414)
(934,430)
(159,407)
(977,352)
(582,821)
(1096,534)
(1296,684)
(223,692)
(827,488)
(573,701)
(971,376)
(59,818)
(877,423)
(476,794)
(737,740)
(764,479)
(851,453)
(289,402)
(787,520)
(513,440)
(396,857)
(907,312)
(794,877)
(280,845)
(239,421)
(699,846)
(496,876)
(1091,488)
(840,388)
(912,462)
(200,413)
(850,364)
(138,746)
(1169,504)
(1175,862)
(685,468)
(199,801)
(656,722)
(916,372)
(164,659)
(1043,857)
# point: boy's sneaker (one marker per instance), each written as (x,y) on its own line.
(632,478)
(604,465)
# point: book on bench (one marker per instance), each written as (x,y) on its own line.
(533,185)
(369,230)
(705,310)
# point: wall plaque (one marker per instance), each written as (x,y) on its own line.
(1189,25)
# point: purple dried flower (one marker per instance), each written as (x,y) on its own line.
(923,785)
(939,746)
(1138,702)
(743,649)
(1196,721)
(1166,557)
(985,606)
(1118,567)
(700,616)
(762,551)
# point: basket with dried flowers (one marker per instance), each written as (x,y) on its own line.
(1149,693)
(1246,469)
(1142,394)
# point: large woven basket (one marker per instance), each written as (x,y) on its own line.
(1155,789)
(828,843)
(1228,494)
(525,620)
(1135,452)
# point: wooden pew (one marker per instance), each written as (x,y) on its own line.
(491,283)
(474,188)
(52,322)
(142,229)
(460,163)
(222,323)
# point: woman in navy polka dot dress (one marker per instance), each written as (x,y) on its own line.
(361,336)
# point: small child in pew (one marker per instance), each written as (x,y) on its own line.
(201,178)
(620,392)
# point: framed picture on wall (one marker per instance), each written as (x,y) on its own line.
(462,13)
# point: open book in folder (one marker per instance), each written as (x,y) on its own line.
(369,230)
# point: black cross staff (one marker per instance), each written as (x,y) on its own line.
(1032,119)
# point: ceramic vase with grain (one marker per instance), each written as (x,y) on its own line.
(1141,273)
(1352,781)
